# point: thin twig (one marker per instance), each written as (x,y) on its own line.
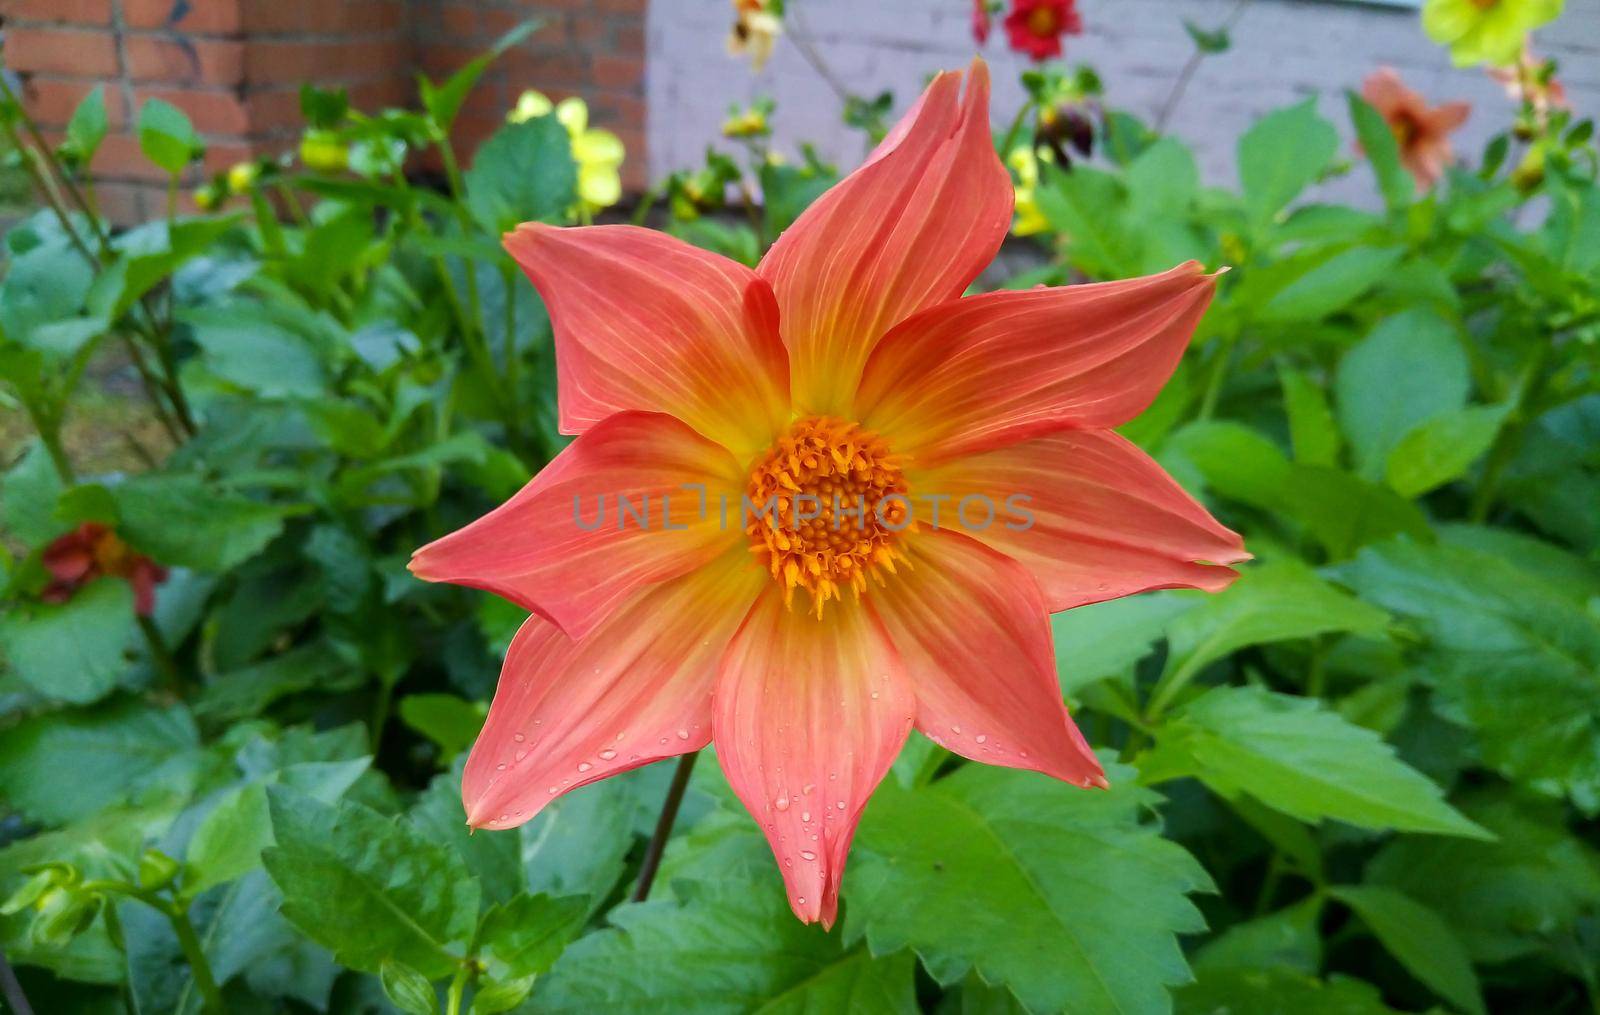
(802,42)
(11,990)
(1181,85)
(669,815)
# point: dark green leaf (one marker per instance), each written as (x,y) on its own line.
(1296,756)
(525,936)
(989,869)
(180,520)
(524,173)
(1419,938)
(1442,448)
(367,887)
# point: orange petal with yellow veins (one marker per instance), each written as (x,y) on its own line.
(990,370)
(1102,520)
(562,546)
(971,627)
(909,229)
(645,321)
(635,690)
(809,714)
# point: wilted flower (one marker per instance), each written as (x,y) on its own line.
(1532,80)
(94,551)
(598,153)
(1035,27)
(1422,131)
(981,21)
(756,27)
(1063,126)
(846,372)
(1486,31)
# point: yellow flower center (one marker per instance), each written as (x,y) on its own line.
(1042,21)
(825,509)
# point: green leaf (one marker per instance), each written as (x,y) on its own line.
(1441,449)
(248,691)
(1409,369)
(495,858)
(732,948)
(1508,899)
(229,839)
(500,995)
(368,887)
(88,125)
(443,102)
(28,495)
(1282,154)
(244,346)
(1280,601)
(46,285)
(449,721)
(67,765)
(1419,938)
(1312,431)
(1319,283)
(1511,658)
(248,938)
(1287,939)
(525,936)
(1294,755)
(180,520)
(523,173)
(1087,205)
(166,136)
(74,651)
(1276,991)
(1070,898)
(578,844)
(1383,152)
(1106,639)
(408,989)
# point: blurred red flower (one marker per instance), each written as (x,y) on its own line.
(980,21)
(1423,131)
(93,551)
(1036,26)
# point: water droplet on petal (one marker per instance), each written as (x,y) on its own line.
(500,767)
(608,754)
(956,730)
(518,737)
(801,900)
(981,738)
(840,805)
(683,734)
(806,854)
(782,803)
(805,815)
(584,766)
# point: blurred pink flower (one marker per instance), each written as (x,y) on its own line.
(1423,131)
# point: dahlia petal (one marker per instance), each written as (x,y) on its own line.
(809,714)
(971,626)
(635,690)
(985,371)
(1090,515)
(645,321)
(909,229)
(631,502)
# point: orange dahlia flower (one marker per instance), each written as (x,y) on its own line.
(1422,130)
(849,383)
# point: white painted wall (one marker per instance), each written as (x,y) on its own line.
(1283,50)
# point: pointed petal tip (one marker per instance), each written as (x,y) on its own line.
(1097,781)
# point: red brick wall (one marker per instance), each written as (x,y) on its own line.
(235,67)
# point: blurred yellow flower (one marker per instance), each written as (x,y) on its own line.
(1486,31)
(242,177)
(748,122)
(1024,163)
(323,151)
(756,27)
(598,153)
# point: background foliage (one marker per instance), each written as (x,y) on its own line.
(1364,779)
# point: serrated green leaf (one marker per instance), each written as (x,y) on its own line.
(73,651)
(525,936)
(1106,639)
(1509,898)
(523,173)
(1409,369)
(63,766)
(1287,939)
(1512,659)
(1419,938)
(1294,755)
(180,520)
(1283,153)
(1312,431)
(1442,448)
(1279,601)
(732,948)
(367,887)
(1068,897)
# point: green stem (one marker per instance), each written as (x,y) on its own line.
(1219,375)
(669,815)
(1509,441)
(1016,125)
(199,966)
(380,711)
(161,656)
(458,986)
